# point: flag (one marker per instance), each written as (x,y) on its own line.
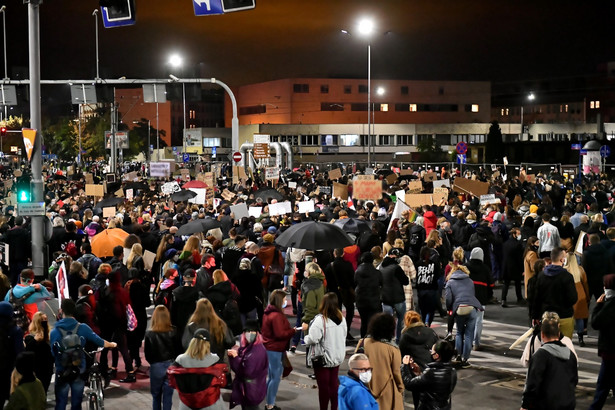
(62,283)
(400,207)
(350,204)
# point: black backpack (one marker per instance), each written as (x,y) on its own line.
(19,312)
(71,353)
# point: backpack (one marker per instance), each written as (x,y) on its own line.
(414,239)
(19,311)
(71,352)
(71,249)
(231,316)
(198,387)
(91,265)
(164,297)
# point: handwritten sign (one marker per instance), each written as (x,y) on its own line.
(429,177)
(335,173)
(418,200)
(406,171)
(325,190)
(160,169)
(340,191)
(109,212)
(94,190)
(391,179)
(415,187)
(228,195)
(170,187)
(272,173)
(469,186)
(365,189)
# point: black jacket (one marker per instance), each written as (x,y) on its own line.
(555,292)
(161,346)
(369,286)
(183,305)
(434,385)
(462,231)
(483,282)
(417,342)
(551,379)
(341,272)
(393,281)
(512,262)
(603,320)
(597,263)
(250,288)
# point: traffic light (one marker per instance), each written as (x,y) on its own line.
(23,190)
(3,131)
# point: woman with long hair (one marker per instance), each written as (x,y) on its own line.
(205,317)
(138,289)
(161,347)
(386,382)
(223,295)
(427,273)
(135,260)
(530,256)
(192,251)
(581,307)
(389,243)
(327,338)
(166,243)
(566,232)
(276,335)
(37,341)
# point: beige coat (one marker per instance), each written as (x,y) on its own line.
(386,384)
(528,267)
(581,308)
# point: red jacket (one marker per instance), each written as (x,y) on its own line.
(430,222)
(276,330)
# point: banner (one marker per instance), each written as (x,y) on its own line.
(62,284)
(160,169)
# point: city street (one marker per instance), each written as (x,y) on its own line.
(495,379)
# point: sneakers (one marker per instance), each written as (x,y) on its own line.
(504,304)
(464,364)
(274,407)
(449,337)
(458,359)
(112,373)
(130,378)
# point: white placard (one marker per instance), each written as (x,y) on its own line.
(130,193)
(170,187)
(272,173)
(201,196)
(148,259)
(280,208)
(240,210)
(255,211)
(442,182)
(401,194)
(306,206)
(292,184)
(487,199)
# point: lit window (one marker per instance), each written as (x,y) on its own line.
(474,107)
(591,105)
(507,111)
(384,107)
(566,108)
(594,104)
(413,107)
(561,108)
(502,112)
(597,104)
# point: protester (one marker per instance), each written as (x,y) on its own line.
(37,342)
(368,290)
(205,317)
(27,391)
(354,393)
(10,346)
(393,295)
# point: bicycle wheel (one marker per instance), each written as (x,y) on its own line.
(93,402)
(100,394)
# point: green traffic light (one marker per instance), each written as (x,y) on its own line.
(23,196)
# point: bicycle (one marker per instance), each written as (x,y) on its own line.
(95,391)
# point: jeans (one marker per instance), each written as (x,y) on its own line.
(162,393)
(274,375)
(427,304)
(398,310)
(465,333)
(605,383)
(479,326)
(326,378)
(76,388)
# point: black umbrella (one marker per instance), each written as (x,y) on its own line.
(200,225)
(266,193)
(183,195)
(352,225)
(143,186)
(108,202)
(314,236)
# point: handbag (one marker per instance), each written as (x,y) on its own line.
(319,360)
(132,319)
(463,310)
(288,367)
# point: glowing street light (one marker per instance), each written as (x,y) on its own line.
(176,61)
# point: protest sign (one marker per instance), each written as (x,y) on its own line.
(227,195)
(364,189)
(160,169)
(406,171)
(325,190)
(340,191)
(272,173)
(148,259)
(477,188)
(430,177)
(418,200)
(280,208)
(415,187)
(306,206)
(209,179)
(131,176)
(240,211)
(391,179)
(94,190)
(335,173)
(109,212)
(292,184)
(89,178)
(255,211)
(441,183)
(129,194)
(369,177)
(170,187)
(201,196)
(440,194)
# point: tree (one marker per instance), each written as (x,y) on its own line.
(430,150)
(494,147)
(140,135)
(61,139)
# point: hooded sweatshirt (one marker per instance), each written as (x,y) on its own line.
(555,292)
(312,292)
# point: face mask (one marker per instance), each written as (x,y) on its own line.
(534,248)
(365,377)
(250,337)
(519,238)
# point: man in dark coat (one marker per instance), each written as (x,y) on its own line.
(20,249)
(596,263)
(368,282)
(512,265)
(483,289)
(462,231)
(343,274)
(393,281)
(603,320)
(184,301)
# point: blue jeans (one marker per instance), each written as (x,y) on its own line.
(427,304)
(162,393)
(465,333)
(76,388)
(398,310)
(605,383)
(479,326)
(274,375)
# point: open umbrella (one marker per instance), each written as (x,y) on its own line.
(314,236)
(266,193)
(195,184)
(200,225)
(352,225)
(183,195)
(108,202)
(143,186)
(104,242)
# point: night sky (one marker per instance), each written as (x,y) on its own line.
(499,41)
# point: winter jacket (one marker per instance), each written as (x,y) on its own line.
(460,291)
(28,396)
(30,303)
(161,346)
(393,281)
(230,261)
(332,341)
(483,238)
(250,367)
(217,346)
(462,231)
(603,320)
(266,254)
(548,236)
(512,262)
(85,312)
(483,282)
(183,303)
(430,222)
(276,330)
(341,274)
(312,292)
(218,294)
(435,385)
(249,286)
(597,263)
(188,362)
(551,379)
(555,292)
(386,384)
(417,341)
(85,333)
(353,394)
(369,287)
(351,254)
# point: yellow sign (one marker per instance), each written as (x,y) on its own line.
(29,136)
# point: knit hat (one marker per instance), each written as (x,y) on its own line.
(609,281)
(268,238)
(533,209)
(477,253)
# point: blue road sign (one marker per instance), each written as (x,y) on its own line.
(186,157)
(583,152)
(605,151)
(207,7)
(213,152)
(575,147)
(118,17)
(461,158)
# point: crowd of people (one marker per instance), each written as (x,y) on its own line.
(220,319)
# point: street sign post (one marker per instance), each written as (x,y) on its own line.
(186,157)
(207,7)
(605,151)
(237,156)
(461,158)
(462,148)
(31,209)
(214,152)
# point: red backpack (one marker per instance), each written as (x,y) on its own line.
(198,386)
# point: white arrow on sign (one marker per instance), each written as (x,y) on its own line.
(207,3)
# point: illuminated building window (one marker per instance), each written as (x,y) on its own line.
(474,107)
(502,112)
(507,111)
(384,107)
(413,107)
(566,108)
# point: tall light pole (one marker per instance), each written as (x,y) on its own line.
(95,14)
(176,61)
(530,97)
(3,11)
(366,27)
(380,92)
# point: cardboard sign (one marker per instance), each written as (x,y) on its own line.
(408,171)
(148,259)
(430,177)
(240,211)
(89,178)
(185,174)
(210,195)
(8,184)
(272,173)
(440,194)
(209,179)
(119,193)
(469,186)
(335,173)
(306,206)
(129,194)
(340,191)
(17,173)
(364,189)
(441,182)
(391,179)
(415,187)
(240,171)
(418,200)
(109,212)
(228,195)
(280,208)
(255,211)
(495,175)
(94,190)
(364,178)
(578,249)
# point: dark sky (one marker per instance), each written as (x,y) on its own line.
(429,40)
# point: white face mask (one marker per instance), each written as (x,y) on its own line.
(365,377)
(250,337)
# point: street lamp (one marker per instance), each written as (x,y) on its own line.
(380,92)
(177,61)
(3,11)
(366,27)
(530,97)
(148,155)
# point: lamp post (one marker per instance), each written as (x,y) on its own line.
(3,11)
(530,97)
(365,28)
(176,61)
(95,14)
(380,92)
